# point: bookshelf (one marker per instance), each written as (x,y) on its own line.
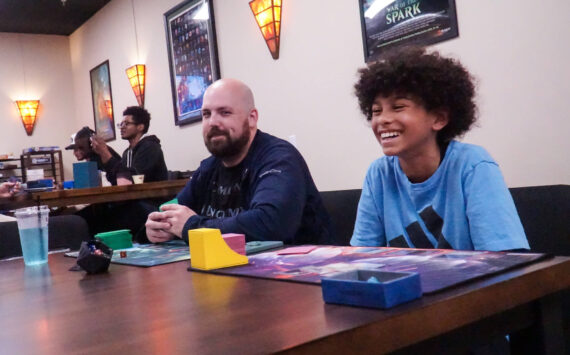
(50,161)
(10,167)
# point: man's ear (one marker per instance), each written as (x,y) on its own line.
(252,118)
(140,127)
(441,119)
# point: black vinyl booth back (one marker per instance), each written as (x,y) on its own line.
(544,213)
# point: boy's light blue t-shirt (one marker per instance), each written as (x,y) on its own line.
(464,205)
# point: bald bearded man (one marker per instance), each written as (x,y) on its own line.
(253,183)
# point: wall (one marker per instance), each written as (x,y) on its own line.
(515,50)
(35,67)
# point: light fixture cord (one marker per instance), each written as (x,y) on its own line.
(23,64)
(136,37)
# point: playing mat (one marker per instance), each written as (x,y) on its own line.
(438,268)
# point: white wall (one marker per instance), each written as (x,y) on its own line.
(44,62)
(517,52)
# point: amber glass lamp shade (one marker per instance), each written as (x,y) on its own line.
(267,14)
(28,111)
(136,75)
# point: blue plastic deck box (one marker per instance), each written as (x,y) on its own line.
(85,174)
(371,288)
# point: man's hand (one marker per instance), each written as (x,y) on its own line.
(157,228)
(8,189)
(176,216)
(100,147)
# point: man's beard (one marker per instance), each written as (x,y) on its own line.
(127,136)
(229,147)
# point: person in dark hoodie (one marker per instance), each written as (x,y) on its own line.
(143,156)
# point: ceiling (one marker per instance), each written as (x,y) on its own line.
(46,16)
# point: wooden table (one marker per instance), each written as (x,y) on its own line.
(168,310)
(62,198)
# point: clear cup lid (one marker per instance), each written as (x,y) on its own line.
(31,211)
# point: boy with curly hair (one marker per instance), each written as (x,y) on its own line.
(429,190)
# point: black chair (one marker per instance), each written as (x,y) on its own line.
(176,174)
(545,216)
(341,206)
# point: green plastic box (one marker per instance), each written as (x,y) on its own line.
(119,239)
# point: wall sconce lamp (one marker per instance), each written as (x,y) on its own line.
(136,75)
(28,111)
(267,14)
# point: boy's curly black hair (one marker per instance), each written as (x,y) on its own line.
(437,83)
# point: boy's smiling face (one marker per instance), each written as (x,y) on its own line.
(404,128)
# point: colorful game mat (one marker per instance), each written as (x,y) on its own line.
(147,255)
(438,268)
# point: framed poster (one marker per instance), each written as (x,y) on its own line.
(192,55)
(102,101)
(387,23)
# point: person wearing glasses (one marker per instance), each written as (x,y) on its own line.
(143,156)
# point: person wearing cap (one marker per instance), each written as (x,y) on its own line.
(143,156)
(81,146)
(102,217)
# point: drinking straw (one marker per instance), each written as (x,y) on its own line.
(39,218)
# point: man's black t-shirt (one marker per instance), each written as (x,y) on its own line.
(224,198)
(277,198)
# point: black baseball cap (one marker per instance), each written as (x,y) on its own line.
(84,132)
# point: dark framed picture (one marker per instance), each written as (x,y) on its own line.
(388,23)
(192,55)
(102,101)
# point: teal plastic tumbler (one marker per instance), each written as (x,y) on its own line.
(33,228)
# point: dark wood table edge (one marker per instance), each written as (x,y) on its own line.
(527,308)
(62,198)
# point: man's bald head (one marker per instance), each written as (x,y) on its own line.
(229,120)
(234,88)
